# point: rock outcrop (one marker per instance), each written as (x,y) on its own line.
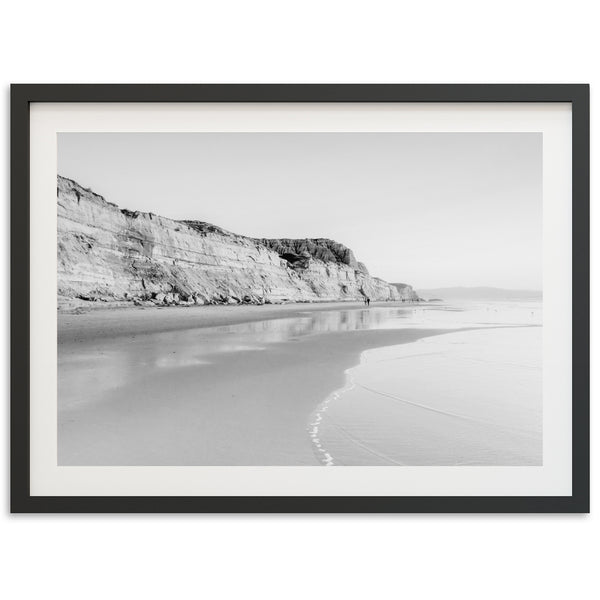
(320,248)
(111,254)
(407,292)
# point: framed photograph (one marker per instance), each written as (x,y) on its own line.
(300,298)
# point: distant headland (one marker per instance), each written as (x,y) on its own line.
(478,293)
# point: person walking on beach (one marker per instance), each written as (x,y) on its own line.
(368,301)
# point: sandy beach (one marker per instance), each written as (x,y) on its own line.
(96,323)
(215,385)
(240,385)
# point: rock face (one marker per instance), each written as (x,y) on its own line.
(321,249)
(407,292)
(112,254)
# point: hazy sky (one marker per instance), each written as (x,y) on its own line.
(428,209)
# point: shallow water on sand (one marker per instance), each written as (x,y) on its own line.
(467,398)
(257,393)
(90,368)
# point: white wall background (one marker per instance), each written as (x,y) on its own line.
(296,556)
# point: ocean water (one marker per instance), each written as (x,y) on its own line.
(472,397)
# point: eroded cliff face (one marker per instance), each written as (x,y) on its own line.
(112,254)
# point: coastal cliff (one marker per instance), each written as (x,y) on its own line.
(110,254)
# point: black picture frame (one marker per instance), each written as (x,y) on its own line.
(22,95)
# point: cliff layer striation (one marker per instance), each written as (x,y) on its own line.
(106,253)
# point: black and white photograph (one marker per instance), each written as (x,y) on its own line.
(297,300)
(300,299)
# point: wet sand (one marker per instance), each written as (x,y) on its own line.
(93,324)
(198,389)
(268,385)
